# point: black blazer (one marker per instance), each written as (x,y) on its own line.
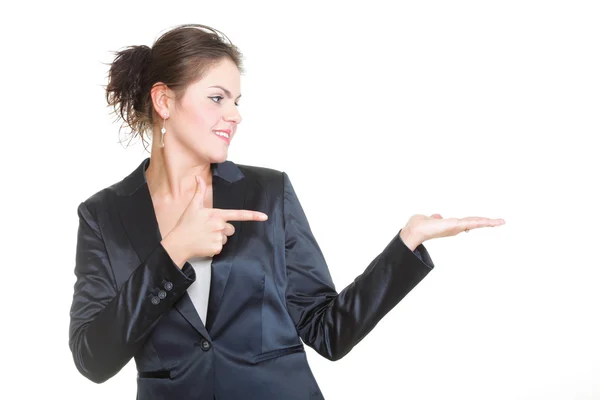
(270,286)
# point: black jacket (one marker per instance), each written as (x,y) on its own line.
(270,286)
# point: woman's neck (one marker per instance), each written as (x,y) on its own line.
(171,177)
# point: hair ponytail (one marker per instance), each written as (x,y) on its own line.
(127,89)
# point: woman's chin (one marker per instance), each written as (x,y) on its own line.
(218,157)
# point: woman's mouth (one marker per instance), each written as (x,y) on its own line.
(223,135)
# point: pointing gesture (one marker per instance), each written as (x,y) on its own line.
(202,231)
(225,215)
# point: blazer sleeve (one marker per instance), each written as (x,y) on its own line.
(333,323)
(109,324)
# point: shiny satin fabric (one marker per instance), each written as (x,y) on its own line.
(270,287)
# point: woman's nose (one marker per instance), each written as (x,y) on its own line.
(234,117)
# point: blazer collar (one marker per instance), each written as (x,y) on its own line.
(226,170)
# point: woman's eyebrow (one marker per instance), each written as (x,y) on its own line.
(227,92)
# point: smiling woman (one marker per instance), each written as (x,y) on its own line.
(206,271)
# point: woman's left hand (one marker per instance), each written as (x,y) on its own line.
(420,228)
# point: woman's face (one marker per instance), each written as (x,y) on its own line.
(208,106)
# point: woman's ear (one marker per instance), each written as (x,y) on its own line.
(162,99)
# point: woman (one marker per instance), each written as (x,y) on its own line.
(207,271)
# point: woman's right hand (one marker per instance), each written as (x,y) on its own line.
(203,231)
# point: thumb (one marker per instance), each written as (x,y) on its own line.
(200,190)
(436,216)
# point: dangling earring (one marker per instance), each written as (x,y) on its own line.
(163,131)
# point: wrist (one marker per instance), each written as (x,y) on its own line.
(409,238)
(173,247)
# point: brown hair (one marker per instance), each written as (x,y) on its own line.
(177,58)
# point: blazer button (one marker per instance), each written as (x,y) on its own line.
(168,286)
(205,345)
(162,294)
(155,300)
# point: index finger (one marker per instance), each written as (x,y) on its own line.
(242,215)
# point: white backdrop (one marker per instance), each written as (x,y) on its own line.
(377,112)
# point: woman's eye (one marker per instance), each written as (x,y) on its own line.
(220,98)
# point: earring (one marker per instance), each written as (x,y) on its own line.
(163,131)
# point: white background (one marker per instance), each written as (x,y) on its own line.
(377,112)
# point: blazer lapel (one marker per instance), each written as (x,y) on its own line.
(186,308)
(229,195)
(139,220)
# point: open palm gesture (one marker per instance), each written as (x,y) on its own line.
(421,227)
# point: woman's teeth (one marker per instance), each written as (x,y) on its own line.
(222,134)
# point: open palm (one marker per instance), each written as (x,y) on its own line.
(434,226)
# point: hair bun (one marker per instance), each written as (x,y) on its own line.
(126,81)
